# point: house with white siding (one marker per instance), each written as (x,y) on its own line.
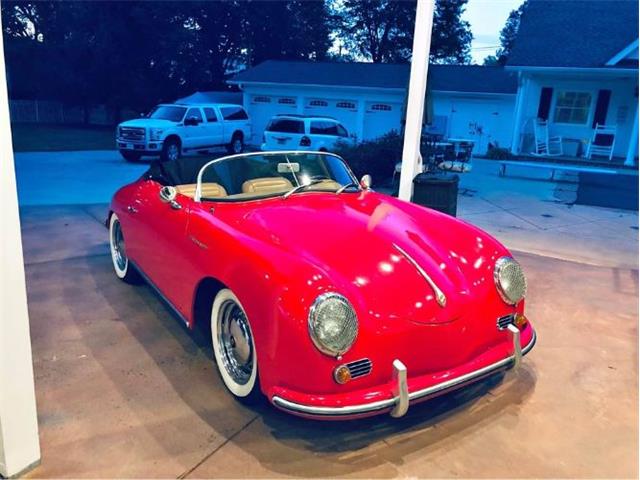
(469,101)
(577,67)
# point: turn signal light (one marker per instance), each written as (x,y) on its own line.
(342,374)
(520,320)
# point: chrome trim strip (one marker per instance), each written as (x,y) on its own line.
(391,402)
(164,299)
(401,390)
(440,297)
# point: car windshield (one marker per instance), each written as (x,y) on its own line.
(165,112)
(269,174)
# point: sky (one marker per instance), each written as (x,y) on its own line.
(487,17)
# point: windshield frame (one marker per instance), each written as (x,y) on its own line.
(197,197)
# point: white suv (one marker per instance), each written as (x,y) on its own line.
(300,132)
(173,129)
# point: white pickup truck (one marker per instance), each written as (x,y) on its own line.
(170,130)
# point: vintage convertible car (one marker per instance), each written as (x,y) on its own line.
(330,299)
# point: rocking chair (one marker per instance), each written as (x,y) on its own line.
(545,146)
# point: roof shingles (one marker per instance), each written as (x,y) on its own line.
(458,78)
(574,33)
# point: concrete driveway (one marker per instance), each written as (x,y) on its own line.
(123,390)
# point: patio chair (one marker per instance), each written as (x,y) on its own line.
(602,142)
(545,146)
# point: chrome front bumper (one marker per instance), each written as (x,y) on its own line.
(399,403)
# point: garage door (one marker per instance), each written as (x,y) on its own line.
(263,107)
(380,118)
(345,111)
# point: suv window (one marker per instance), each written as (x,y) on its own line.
(194,113)
(210,114)
(233,113)
(321,127)
(286,125)
(342,132)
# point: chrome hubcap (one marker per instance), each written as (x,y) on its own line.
(119,253)
(172,152)
(234,338)
(237,146)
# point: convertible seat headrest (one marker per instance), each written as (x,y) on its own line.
(266,185)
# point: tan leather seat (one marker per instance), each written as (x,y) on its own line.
(209,190)
(266,185)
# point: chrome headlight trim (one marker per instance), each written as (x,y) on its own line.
(311,323)
(155,134)
(501,263)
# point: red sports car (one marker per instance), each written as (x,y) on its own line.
(332,300)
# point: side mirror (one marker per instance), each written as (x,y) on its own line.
(168,195)
(365,182)
(191,121)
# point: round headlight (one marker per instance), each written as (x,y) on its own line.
(333,325)
(510,280)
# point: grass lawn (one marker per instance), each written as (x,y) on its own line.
(39,138)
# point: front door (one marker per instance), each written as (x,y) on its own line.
(194,135)
(162,245)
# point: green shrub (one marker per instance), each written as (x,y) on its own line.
(498,153)
(375,157)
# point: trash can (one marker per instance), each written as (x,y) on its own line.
(438,191)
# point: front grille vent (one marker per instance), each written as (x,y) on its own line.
(132,133)
(504,322)
(360,368)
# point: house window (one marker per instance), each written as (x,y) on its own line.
(381,107)
(348,105)
(318,103)
(287,101)
(261,99)
(572,107)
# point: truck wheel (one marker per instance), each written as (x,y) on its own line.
(236,145)
(171,150)
(130,156)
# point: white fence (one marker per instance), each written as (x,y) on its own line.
(40,111)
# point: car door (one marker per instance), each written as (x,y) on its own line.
(162,246)
(214,128)
(194,134)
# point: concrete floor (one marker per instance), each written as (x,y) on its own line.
(123,390)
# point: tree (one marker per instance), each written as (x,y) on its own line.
(508,36)
(382,30)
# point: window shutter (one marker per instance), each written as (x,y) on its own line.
(545,103)
(602,105)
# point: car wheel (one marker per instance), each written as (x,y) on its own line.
(234,347)
(130,156)
(236,145)
(171,150)
(124,270)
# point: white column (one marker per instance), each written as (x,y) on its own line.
(360,120)
(19,447)
(633,142)
(523,84)
(411,160)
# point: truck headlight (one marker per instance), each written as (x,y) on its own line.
(333,325)
(510,280)
(155,134)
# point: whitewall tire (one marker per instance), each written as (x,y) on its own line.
(121,264)
(234,348)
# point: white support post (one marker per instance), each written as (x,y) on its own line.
(523,84)
(411,160)
(633,142)
(19,447)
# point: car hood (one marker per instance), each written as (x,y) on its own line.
(148,123)
(371,246)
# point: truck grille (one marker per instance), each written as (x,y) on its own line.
(133,134)
(359,368)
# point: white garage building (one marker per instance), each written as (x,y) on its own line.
(469,101)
